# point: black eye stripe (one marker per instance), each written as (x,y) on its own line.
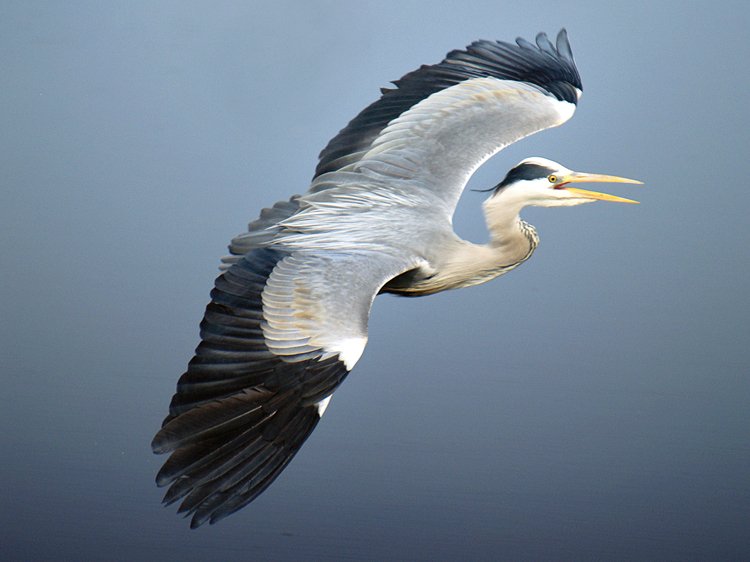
(525,171)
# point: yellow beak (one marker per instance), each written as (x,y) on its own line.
(580,177)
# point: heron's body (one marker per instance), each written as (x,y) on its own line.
(288,317)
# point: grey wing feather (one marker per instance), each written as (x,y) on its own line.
(260,231)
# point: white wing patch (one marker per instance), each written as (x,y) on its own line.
(566,110)
(349,351)
(322,405)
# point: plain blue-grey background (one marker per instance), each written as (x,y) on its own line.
(591,404)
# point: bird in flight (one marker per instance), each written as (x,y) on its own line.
(288,315)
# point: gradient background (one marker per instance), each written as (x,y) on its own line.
(592,404)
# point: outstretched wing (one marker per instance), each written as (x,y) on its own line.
(428,135)
(280,334)
(442,121)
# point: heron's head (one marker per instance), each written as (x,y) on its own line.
(544,183)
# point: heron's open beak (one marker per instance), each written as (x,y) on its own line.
(581,177)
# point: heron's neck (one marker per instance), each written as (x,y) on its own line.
(463,263)
(512,240)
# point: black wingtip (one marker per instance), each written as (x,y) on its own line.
(549,66)
(159,444)
(545,45)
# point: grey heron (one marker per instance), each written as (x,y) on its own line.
(288,315)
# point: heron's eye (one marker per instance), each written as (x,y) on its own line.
(552,178)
